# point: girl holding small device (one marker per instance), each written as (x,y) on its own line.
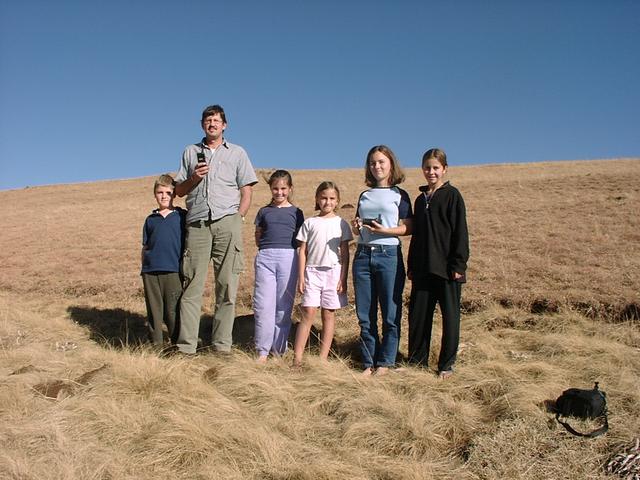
(382,216)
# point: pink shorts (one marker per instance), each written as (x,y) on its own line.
(320,285)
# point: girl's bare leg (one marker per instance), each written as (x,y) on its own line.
(328,328)
(302,334)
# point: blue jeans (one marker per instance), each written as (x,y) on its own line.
(378,277)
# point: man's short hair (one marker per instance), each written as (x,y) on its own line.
(213,110)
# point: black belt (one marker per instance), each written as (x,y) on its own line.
(378,248)
(202,223)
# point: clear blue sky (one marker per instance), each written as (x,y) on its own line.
(94,90)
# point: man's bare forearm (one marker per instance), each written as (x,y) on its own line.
(185,187)
(245,199)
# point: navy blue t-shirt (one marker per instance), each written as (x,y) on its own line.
(279,226)
(163,238)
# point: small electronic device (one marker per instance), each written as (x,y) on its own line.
(369,221)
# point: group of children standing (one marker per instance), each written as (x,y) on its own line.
(311,257)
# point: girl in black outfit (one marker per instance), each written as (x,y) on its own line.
(437,263)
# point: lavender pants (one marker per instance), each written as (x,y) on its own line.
(276,274)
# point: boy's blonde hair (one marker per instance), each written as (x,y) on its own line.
(164,180)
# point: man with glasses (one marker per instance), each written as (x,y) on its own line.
(217,177)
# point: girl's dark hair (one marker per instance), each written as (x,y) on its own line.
(326,185)
(279,175)
(436,153)
(396,175)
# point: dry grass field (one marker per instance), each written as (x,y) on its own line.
(552,302)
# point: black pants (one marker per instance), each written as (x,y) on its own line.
(425,294)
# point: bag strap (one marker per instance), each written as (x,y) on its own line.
(597,432)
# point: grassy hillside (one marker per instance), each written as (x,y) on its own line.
(552,302)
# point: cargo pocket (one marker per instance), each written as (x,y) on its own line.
(187,269)
(238,260)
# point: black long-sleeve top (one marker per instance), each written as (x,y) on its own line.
(440,241)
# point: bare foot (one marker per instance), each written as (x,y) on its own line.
(445,374)
(367,372)
(381,371)
(262,359)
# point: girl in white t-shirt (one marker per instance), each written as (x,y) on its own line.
(323,266)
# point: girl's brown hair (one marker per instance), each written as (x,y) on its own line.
(327,185)
(281,175)
(396,175)
(436,153)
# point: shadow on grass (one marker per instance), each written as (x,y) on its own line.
(120,328)
(347,350)
(242,335)
(350,350)
(243,328)
(111,326)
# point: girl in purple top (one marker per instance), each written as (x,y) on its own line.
(276,271)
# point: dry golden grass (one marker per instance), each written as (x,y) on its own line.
(552,303)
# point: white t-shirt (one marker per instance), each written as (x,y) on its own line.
(323,237)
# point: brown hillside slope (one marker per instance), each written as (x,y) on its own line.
(542,235)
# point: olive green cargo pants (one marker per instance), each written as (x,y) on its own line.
(219,241)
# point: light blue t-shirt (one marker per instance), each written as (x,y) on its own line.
(391,204)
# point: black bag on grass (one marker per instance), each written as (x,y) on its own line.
(584,404)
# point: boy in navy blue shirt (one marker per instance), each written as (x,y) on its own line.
(162,246)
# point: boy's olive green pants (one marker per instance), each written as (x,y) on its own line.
(219,241)
(162,293)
